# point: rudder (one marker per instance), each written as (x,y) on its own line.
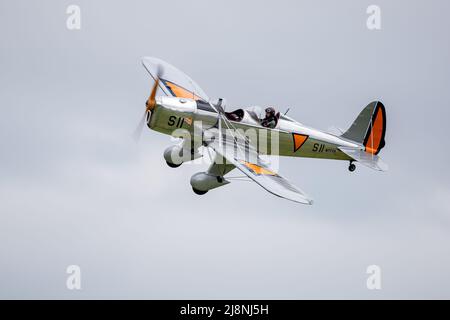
(369,128)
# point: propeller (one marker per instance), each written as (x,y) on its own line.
(150,104)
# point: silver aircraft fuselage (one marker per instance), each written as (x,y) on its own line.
(293,138)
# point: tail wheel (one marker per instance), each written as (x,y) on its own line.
(351,167)
(199,192)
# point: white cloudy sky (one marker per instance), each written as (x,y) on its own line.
(76,189)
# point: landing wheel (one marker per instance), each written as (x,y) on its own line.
(351,167)
(199,192)
(173,165)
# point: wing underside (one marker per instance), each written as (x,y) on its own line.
(249,162)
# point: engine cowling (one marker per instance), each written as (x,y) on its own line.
(204,182)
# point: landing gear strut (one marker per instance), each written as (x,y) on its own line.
(351,166)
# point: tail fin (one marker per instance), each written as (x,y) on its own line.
(369,128)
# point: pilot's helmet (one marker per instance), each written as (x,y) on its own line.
(270,111)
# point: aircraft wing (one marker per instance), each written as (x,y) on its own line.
(173,81)
(250,163)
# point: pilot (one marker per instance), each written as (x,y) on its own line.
(270,120)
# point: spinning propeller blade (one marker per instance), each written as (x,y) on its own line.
(150,104)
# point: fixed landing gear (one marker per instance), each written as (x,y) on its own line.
(351,167)
(173,165)
(199,192)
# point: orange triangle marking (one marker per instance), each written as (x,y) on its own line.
(258,170)
(299,140)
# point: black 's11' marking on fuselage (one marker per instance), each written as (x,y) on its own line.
(318,147)
(321,147)
(173,119)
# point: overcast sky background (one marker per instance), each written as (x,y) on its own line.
(76,189)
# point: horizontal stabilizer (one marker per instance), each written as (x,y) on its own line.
(367,159)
